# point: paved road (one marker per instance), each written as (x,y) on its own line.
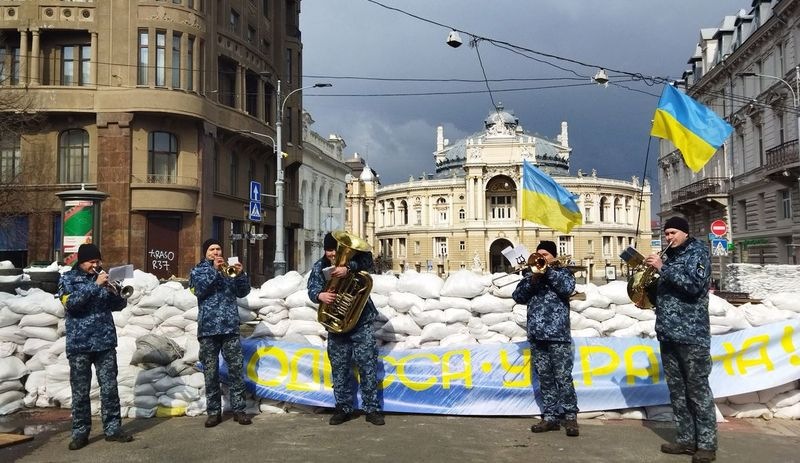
(405,438)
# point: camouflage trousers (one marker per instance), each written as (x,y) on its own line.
(686,368)
(357,346)
(231,348)
(552,363)
(80,380)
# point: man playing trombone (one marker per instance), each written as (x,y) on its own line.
(216,289)
(91,340)
(546,293)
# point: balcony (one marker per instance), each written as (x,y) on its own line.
(783,162)
(150,192)
(709,188)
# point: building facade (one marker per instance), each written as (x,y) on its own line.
(468,211)
(322,192)
(146,101)
(747,71)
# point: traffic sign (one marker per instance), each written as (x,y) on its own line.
(255,191)
(255,211)
(719,227)
(719,247)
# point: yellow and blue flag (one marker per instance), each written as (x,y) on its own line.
(546,202)
(693,128)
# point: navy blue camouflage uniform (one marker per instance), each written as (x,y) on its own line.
(682,328)
(356,346)
(547,297)
(91,340)
(218,331)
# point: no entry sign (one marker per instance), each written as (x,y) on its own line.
(719,227)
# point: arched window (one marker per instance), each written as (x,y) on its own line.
(403,212)
(462,214)
(603,209)
(618,211)
(501,194)
(162,151)
(73,156)
(441,211)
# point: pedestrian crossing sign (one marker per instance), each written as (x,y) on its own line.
(255,211)
(719,247)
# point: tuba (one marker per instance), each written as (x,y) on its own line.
(642,279)
(352,291)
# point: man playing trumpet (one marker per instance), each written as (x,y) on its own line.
(91,340)
(218,328)
(546,293)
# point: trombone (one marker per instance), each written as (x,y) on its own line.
(536,264)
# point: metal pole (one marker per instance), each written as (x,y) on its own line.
(280,260)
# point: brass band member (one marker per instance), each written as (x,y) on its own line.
(682,327)
(91,340)
(547,295)
(218,328)
(353,347)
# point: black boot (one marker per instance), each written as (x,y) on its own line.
(572,428)
(545,425)
(213,420)
(676,448)
(78,443)
(340,416)
(119,436)
(242,418)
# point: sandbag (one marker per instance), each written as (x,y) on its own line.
(152,349)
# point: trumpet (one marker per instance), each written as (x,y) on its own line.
(115,287)
(228,270)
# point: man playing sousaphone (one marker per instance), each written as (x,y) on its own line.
(218,328)
(356,345)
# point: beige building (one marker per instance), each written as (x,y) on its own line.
(322,192)
(146,101)
(468,211)
(746,70)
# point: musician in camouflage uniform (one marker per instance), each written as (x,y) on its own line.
(218,329)
(682,327)
(356,346)
(547,296)
(91,340)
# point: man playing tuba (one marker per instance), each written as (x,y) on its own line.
(353,346)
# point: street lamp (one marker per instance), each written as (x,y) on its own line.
(280,259)
(795,99)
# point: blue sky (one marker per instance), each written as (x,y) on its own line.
(608,127)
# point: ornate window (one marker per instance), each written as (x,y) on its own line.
(502,195)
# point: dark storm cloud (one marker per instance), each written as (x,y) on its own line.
(608,127)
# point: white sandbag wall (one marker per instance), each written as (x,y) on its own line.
(158,332)
(761,280)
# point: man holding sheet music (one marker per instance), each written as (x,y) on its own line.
(546,293)
(218,328)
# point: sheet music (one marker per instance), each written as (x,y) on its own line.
(120,273)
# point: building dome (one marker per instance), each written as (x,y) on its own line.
(500,121)
(366,174)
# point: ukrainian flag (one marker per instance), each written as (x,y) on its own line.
(546,202)
(693,128)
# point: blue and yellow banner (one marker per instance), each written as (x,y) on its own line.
(693,128)
(546,202)
(496,379)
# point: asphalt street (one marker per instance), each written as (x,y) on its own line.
(307,437)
